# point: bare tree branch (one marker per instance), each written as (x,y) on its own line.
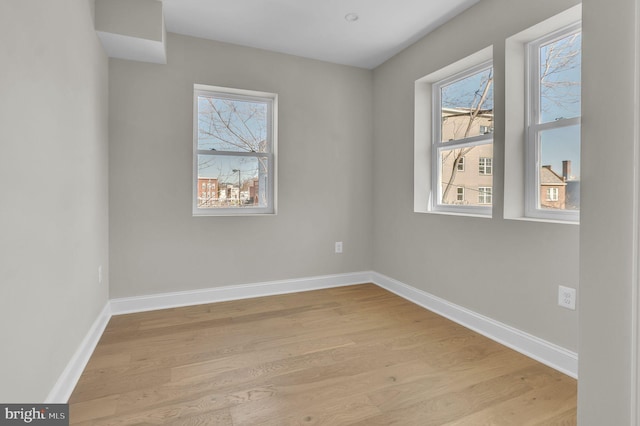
(473,114)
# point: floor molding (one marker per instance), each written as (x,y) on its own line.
(236,292)
(69,378)
(545,352)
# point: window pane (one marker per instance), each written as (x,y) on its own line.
(467,107)
(560,168)
(232,181)
(560,63)
(232,125)
(471,180)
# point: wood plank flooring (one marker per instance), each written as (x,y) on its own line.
(355,355)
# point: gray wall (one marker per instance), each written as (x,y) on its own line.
(507,270)
(324,171)
(608,250)
(53,181)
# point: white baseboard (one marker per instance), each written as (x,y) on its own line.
(236,292)
(69,378)
(545,352)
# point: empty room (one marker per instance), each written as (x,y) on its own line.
(276,212)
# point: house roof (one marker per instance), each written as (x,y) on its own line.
(549,177)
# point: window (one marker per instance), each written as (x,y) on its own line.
(484,195)
(460,194)
(485,129)
(485,166)
(234,146)
(462,114)
(553,127)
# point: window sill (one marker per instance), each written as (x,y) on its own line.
(541,220)
(232,213)
(449,213)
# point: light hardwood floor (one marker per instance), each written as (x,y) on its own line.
(355,355)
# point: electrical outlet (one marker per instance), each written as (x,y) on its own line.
(100,274)
(567,297)
(338,246)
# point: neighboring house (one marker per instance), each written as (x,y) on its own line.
(207,192)
(212,194)
(253,191)
(472,182)
(553,189)
(468,171)
(229,194)
(559,191)
(455,122)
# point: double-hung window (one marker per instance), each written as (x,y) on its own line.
(553,127)
(462,127)
(234,151)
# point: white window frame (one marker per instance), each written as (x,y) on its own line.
(460,192)
(271,100)
(553,194)
(438,145)
(484,192)
(488,164)
(461,164)
(535,128)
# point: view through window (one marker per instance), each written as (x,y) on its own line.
(463,145)
(554,129)
(234,152)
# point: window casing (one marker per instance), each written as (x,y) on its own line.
(234,139)
(552,146)
(462,122)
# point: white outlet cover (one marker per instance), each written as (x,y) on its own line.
(567,297)
(338,246)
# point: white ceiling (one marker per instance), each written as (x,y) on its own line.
(314,28)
